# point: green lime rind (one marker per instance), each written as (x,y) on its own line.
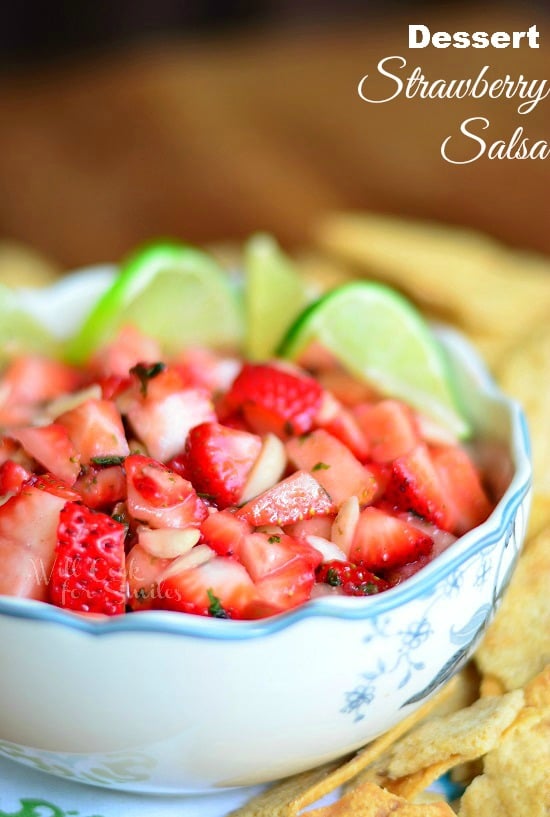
(176,293)
(380,337)
(20,333)
(274,294)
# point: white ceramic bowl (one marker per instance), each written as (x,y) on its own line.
(169,703)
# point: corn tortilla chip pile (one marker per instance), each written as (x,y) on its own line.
(489,728)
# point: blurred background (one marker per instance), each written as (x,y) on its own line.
(126,120)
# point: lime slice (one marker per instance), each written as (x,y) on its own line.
(274,295)
(20,333)
(380,337)
(175,293)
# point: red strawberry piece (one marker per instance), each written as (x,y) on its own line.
(316,526)
(129,347)
(333,465)
(382,540)
(88,573)
(28,533)
(219,460)
(142,574)
(114,385)
(52,485)
(389,428)
(159,496)
(265,553)
(352,579)
(51,446)
(297,497)
(281,401)
(289,585)
(100,488)
(415,486)
(225,532)
(96,430)
(12,477)
(467,502)
(162,411)
(31,380)
(220,587)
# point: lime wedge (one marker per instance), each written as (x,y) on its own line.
(175,293)
(20,333)
(274,295)
(380,337)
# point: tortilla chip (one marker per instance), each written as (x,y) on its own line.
(412,785)
(499,292)
(280,800)
(516,646)
(463,735)
(371,801)
(524,374)
(22,267)
(321,273)
(537,691)
(516,782)
(290,796)
(490,686)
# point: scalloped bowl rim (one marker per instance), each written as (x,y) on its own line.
(336,607)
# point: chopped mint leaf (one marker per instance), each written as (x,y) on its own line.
(107,460)
(215,608)
(274,540)
(146,372)
(320,466)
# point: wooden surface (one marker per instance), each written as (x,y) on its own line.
(214,139)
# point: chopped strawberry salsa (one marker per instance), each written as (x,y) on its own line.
(214,487)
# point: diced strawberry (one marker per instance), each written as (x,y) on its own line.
(415,486)
(316,526)
(467,502)
(284,401)
(51,446)
(219,460)
(259,608)
(352,579)
(31,380)
(220,587)
(225,532)
(129,347)
(398,574)
(53,485)
(204,368)
(12,477)
(100,488)
(142,574)
(382,540)
(96,430)
(88,573)
(333,465)
(28,533)
(348,390)
(289,585)
(389,427)
(179,465)
(114,385)
(297,497)
(159,496)
(163,411)
(345,428)
(264,553)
